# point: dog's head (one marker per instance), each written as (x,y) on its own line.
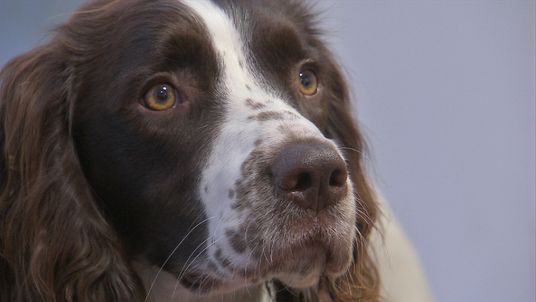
(214,140)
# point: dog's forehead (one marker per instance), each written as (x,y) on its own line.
(258,119)
(228,43)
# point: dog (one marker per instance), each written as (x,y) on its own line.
(189,150)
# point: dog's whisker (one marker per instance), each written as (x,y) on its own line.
(185,268)
(350,149)
(193,134)
(187,262)
(171,254)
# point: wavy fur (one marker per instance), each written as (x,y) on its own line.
(55,243)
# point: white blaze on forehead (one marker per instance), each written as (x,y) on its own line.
(234,142)
(226,41)
(238,133)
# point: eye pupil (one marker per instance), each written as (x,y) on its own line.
(162,94)
(305,79)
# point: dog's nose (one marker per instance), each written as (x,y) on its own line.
(313,175)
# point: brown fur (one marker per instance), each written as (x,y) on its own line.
(55,244)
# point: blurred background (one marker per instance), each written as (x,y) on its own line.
(445,91)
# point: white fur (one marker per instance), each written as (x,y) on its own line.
(238,134)
(400,270)
(234,142)
(401,273)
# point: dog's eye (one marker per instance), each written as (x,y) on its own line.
(160,97)
(308,82)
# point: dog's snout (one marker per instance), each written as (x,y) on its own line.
(311,174)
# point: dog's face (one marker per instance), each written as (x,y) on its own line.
(205,131)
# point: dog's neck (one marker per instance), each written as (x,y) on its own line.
(163,287)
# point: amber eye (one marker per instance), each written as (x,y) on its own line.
(160,97)
(308,82)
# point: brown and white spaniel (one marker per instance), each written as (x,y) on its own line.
(188,150)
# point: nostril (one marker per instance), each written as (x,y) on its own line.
(337,178)
(297,182)
(304,182)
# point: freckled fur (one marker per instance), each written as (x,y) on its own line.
(90,169)
(254,105)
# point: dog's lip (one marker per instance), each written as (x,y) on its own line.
(329,256)
(205,283)
(302,276)
(319,250)
(200,282)
(314,255)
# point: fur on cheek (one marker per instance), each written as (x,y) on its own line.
(57,244)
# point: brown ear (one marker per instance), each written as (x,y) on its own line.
(361,282)
(54,243)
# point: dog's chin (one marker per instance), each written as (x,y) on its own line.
(300,269)
(313,261)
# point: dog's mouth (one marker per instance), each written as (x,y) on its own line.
(298,266)
(200,282)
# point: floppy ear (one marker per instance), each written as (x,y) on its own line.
(361,282)
(54,243)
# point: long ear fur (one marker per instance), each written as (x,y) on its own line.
(361,282)
(54,243)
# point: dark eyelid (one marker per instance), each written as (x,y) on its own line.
(159,78)
(309,64)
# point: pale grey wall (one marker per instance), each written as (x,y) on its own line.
(446,95)
(446,91)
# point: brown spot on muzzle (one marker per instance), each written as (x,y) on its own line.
(221,259)
(291,114)
(237,241)
(254,105)
(267,116)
